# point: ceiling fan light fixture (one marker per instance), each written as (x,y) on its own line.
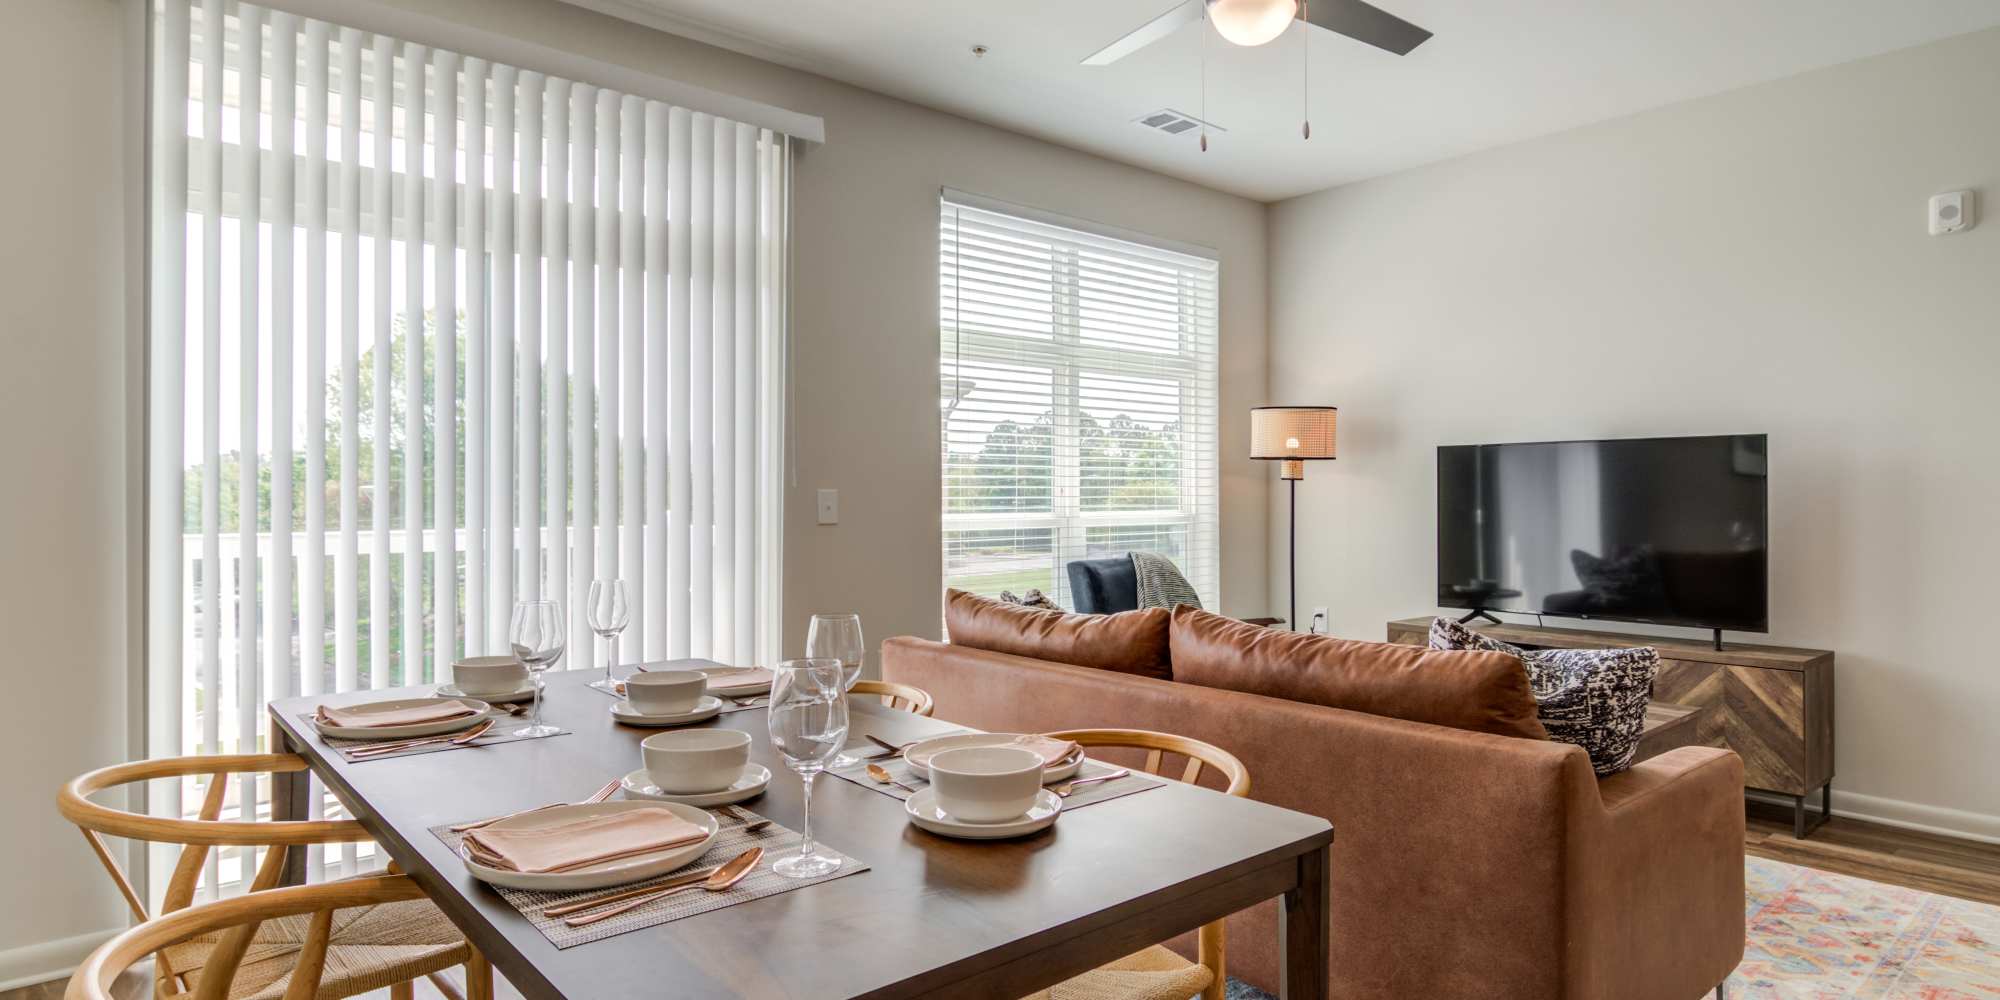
(1251,22)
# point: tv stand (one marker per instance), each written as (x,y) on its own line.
(1477,613)
(1773,705)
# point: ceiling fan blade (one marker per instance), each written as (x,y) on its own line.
(1186,12)
(1366,23)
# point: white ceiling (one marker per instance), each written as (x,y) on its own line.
(1498,71)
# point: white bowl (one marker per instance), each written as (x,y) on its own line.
(695,760)
(986,784)
(665,692)
(477,675)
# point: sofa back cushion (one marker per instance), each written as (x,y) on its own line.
(1477,691)
(1131,642)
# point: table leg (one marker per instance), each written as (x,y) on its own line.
(289,797)
(1303,931)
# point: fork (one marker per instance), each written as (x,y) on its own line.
(595,797)
(459,738)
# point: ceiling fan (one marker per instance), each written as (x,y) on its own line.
(1254,22)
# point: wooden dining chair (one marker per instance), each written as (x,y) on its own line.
(315,969)
(1158,972)
(387,942)
(903,696)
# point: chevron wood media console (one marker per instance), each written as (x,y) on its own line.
(1773,705)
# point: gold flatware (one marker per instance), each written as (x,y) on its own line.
(1063,790)
(733,871)
(690,878)
(458,738)
(751,823)
(595,797)
(880,775)
(893,748)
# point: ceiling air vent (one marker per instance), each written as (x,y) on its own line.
(1175,122)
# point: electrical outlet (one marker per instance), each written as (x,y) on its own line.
(829,506)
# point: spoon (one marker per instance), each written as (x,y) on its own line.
(879,774)
(751,824)
(732,872)
(1063,790)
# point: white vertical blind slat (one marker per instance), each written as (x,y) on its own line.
(610,161)
(722,375)
(555,356)
(169,725)
(444,372)
(346,587)
(380,498)
(633,134)
(173,241)
(528,434)
(415,100)
(583,364)
(744,229)
(278,618)
(662,403)
(701,388)
(249,676)
(312,570)
(677,156)
(501,537)
(473,86)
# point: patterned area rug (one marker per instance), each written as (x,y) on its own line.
(1815,935)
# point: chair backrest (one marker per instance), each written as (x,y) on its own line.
(1210,939)
(907,697)
(239,917)
(1103,586)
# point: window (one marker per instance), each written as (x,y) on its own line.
(1078,385)
(433,334)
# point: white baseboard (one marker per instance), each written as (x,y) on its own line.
(1908,815)
(39,963)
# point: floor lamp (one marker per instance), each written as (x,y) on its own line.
(1292,436)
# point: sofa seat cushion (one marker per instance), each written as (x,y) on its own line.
(1129,642)
(1594,698)
(1480,692)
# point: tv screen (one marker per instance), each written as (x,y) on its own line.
(1665,530)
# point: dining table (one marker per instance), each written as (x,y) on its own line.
(930,916)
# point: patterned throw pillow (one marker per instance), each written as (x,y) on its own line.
(1034,599)
(1594,698)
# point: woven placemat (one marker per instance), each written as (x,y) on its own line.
(777,841)
(1095,792)
(493,737)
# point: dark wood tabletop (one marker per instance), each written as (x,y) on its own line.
(931,917)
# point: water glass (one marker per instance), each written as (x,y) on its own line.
(808,720)
(838,637)
(608,615)
(537,636)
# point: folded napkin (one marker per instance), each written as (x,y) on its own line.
(587,841)
(363,717)
(728,679)
(1049,749)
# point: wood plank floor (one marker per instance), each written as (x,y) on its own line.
(1926,861)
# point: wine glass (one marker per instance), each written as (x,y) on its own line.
(808,719)
(537,635)
(838,637)
(609,615)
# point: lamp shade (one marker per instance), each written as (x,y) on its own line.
(1292,433)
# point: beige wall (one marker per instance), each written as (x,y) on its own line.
(865,320)
(64,571)
(864,308)
(1755,261)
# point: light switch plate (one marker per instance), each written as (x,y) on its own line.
(829,506)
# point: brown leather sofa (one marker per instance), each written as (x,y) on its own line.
(1466,864)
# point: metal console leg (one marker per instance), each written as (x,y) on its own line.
(1799,825)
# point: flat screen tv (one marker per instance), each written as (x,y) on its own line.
(1672,531)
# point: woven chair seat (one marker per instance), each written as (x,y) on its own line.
(1154,974)
(372,947)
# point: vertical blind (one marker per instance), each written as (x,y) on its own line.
(431,335)
(1078,395)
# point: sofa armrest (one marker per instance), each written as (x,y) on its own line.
(1656,904)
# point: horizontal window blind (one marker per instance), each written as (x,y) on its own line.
(431,335)
(1078,398)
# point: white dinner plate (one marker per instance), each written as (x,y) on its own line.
(707,708)
(403,732)
(522,693)
(604,873)
(755,777)
(924,812)
(1059,771)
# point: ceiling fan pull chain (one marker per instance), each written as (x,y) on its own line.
(1305,72)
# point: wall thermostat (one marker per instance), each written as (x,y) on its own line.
(1951,212)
